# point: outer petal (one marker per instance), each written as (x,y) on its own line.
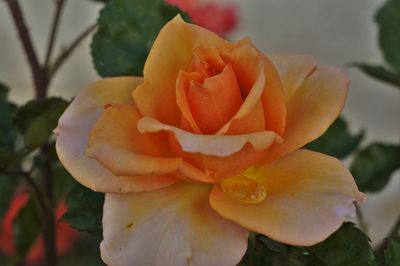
(311,110)
(171,52)
(293,70)
(169,227)
(116,143)
(308,196)
(73,131)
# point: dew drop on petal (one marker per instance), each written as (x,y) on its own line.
(244,189)
(251,171)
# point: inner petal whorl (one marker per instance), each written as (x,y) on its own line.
(214,102)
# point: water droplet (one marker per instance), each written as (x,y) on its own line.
(244,189)
(211,173)
(250,172)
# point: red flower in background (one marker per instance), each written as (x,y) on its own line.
(64,240)
(221,18)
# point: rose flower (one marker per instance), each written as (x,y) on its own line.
(207,146)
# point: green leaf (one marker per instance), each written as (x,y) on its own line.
(125,34)
(8,157)
(85,209)
(388,20)
(86,249)
(4,89)
(37,119)
(63,181)
(347,246)
(7,130)
(257,253)
(336,141)
(381,73)
(8,185)
(392,252)
(26,227)
(267,252)
(33,109)
(374,165)
(9,261)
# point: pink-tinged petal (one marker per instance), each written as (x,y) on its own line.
(214,145)
(311,110)
(308,196)
(293,70)
(172,51)
(73,132)
(116,143)
(172,226)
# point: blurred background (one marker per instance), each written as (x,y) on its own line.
(335,32)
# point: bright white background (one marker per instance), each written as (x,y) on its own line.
(335,32)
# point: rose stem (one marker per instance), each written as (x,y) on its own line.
(41,78)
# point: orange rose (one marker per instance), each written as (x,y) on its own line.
(207,149)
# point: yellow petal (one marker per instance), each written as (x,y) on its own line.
(172,51)
(116,143)
(73,131)
(172,226)
(311,110)
(293,70)
(308,195)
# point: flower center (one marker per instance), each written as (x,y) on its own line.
(244,188)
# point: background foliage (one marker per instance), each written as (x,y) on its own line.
(124,35)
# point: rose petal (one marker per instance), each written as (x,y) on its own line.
(182,83)
(293,70)
(216,101)
(169,227)
(311,110)
(210,144)
(253,121)
(308,196)
(273,100)
(171,52)
(248,65)
(73,131)
(219,168)
(116,143)
(259,81)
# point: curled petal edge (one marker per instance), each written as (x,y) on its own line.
(214,145)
